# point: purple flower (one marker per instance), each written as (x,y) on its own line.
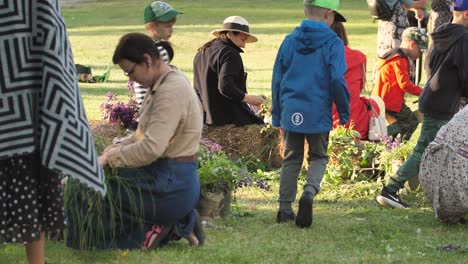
(130,86)
(211,146)
(392,143)
(111,96)
(119,112)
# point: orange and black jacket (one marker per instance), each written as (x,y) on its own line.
(393,80)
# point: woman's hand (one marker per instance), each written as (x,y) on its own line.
(103,160)
(115,143)
(255,100)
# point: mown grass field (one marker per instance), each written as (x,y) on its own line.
(94,31)
(349,227)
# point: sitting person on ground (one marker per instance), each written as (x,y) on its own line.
(361,108)
(159,18)
(393,82)
(157,162)
(447,71)
(443,174)
(219,76)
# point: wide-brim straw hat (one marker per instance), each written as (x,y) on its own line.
(236,24)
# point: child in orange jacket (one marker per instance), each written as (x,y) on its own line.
(393,81)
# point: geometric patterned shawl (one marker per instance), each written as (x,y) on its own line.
(40,103)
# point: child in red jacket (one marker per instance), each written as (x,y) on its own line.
(393,81)
(361,108)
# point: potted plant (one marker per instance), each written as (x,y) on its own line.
(220,176)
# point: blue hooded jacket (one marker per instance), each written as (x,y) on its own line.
(308,77)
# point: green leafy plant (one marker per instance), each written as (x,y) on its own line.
(350,158)
(88,210)
(394,154)
(342,150)
(216,171)
(219,173)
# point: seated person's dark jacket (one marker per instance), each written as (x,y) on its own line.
(220,82)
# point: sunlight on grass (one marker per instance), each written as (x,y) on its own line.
(94,34)
(346,229)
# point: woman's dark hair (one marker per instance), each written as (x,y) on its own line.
(133,47)
(222,35)
(339,29)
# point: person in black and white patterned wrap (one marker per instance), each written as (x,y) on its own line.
(44,132)
(159,18)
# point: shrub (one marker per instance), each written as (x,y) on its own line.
(352,159)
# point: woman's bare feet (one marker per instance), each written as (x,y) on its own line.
(193,240)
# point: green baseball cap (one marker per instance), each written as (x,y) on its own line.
(417,35)
(160,11)
(328,4)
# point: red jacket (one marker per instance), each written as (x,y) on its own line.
(355,77)
(394,80)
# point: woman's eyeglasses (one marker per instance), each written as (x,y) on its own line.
(130,72)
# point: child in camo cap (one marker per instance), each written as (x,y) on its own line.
(393,81)
(447,68)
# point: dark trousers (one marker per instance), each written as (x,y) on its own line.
(292,164)
(406,123)
(410,168)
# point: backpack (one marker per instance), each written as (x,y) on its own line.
(380,10)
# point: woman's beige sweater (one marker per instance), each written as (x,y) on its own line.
(170,124)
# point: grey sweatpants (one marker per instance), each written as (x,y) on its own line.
(292,164)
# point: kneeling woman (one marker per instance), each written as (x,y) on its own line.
(157,162)
(443,172)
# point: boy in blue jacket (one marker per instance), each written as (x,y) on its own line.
(308,77)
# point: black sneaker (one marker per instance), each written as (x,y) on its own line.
(304,215)
(285,216)
(389,199)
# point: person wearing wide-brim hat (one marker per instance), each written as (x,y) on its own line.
(219,76)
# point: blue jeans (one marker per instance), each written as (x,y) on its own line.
(166,192)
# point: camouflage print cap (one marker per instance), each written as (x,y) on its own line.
(417,35)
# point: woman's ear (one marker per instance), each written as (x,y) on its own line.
(148,59)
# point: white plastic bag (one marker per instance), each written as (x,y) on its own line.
(377,126)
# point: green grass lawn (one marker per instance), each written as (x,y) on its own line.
(346,229)
(95,29)
(349,227)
